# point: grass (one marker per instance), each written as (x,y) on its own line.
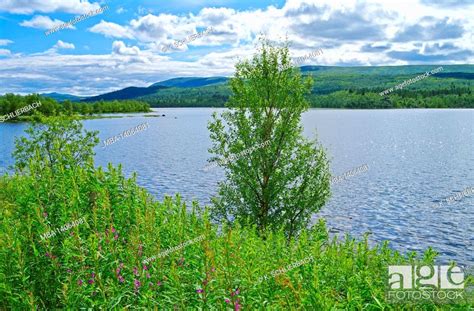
(85,265)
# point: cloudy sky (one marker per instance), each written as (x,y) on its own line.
(125,44)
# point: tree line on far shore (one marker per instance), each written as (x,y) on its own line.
(49,107)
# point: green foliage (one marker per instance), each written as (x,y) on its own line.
(49,107)
(59,141)
(287,180)
(84,267)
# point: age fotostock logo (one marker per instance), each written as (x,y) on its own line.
(438,283)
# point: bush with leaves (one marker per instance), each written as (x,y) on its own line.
(57,141)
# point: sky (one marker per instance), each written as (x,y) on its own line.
(140,42)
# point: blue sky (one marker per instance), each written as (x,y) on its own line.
(123,45)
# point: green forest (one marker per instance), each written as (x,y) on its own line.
(349,87)
(10,103)
(452,96)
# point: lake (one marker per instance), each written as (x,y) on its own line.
(415,158)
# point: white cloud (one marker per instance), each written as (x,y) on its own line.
(118,47)
(60,45)
(43,22)
(64,45)
(111,30)
(5,52)
(47,6)
(5,42)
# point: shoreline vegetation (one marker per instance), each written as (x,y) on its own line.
(11,103)
(100,264)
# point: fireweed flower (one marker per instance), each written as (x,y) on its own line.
(91,281)
(137,284)
(79,282)
(238,306)
(199,291)
(116,237)
(227,300)
(135,271)
(145,268)
(121,279)
(158,283)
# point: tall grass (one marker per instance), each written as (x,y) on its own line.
(99,263)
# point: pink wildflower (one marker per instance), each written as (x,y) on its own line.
(199,291)
(238,306)
(137,284)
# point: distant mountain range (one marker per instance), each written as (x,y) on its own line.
(134,92)
(214,91)
(62,97)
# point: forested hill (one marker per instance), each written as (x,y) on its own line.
(345,87)
(334,87)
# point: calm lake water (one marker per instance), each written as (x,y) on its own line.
(416,158)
